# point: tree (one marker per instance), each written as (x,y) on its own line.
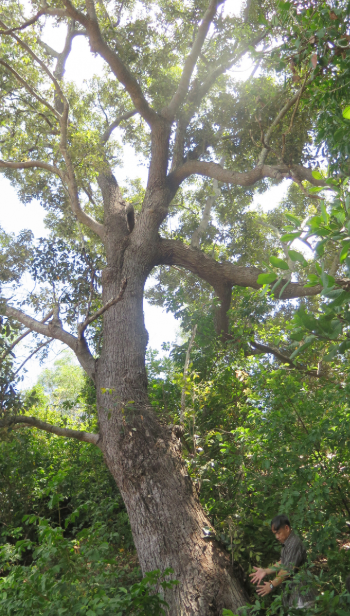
(168,84)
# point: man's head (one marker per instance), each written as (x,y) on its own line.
(280,526)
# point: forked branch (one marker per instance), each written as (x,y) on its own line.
(117,66)
(191,61)
(246,178)
(223,275)
(33,422)
(52,330)
(124,116)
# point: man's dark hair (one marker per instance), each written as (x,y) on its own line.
(279,521)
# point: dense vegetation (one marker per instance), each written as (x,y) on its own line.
(258,439)
(258,389)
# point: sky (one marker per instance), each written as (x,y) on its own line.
(14,216)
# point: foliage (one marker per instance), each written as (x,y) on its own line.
(66,541)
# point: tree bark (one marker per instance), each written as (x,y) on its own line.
(145,459)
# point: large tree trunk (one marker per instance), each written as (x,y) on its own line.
(144,458)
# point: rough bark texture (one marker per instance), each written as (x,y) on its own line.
(145,459)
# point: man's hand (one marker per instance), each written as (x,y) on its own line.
(264,589)
(257,575)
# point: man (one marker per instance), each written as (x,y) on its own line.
(293,556)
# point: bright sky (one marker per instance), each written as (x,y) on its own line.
(14,216)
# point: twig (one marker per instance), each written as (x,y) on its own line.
(31,355)
(82,326)
(187,363)
(15,342)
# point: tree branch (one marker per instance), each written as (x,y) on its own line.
(30,164)
(33,422)
(197,234)
(41,346)
(44,68)
(222,275)
(51,330)
(29,88)
(30,21)
(282,113)
(61,111)
(124,116)
(197,93)
(82,326)
(120,70)
(191,61)
(26,333)
(263,348)
(246,178)
(186,366)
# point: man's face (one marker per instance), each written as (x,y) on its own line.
(282,533)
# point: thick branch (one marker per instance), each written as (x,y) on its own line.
(191,61)
(198,92)
(51,330)
(245,178)
(124,116)
(30,164)
(82,327)
(120,70)
(222,275)
(33,422)
(30,21)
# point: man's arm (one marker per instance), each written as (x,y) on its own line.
(259,573)
(265,589)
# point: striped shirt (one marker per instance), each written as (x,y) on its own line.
(293,556)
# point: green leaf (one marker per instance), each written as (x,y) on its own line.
(332,352)
(344,252)
(303,347)
(276,262)
(332,293)
(290,236)
(266,278)
(325,216)
(278,282)
(346,113)
(327,280)
(294,219)
(343,298)
(317,175)
(315,189)
(344,346)
(297,256)
(284,287)
(319,248)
